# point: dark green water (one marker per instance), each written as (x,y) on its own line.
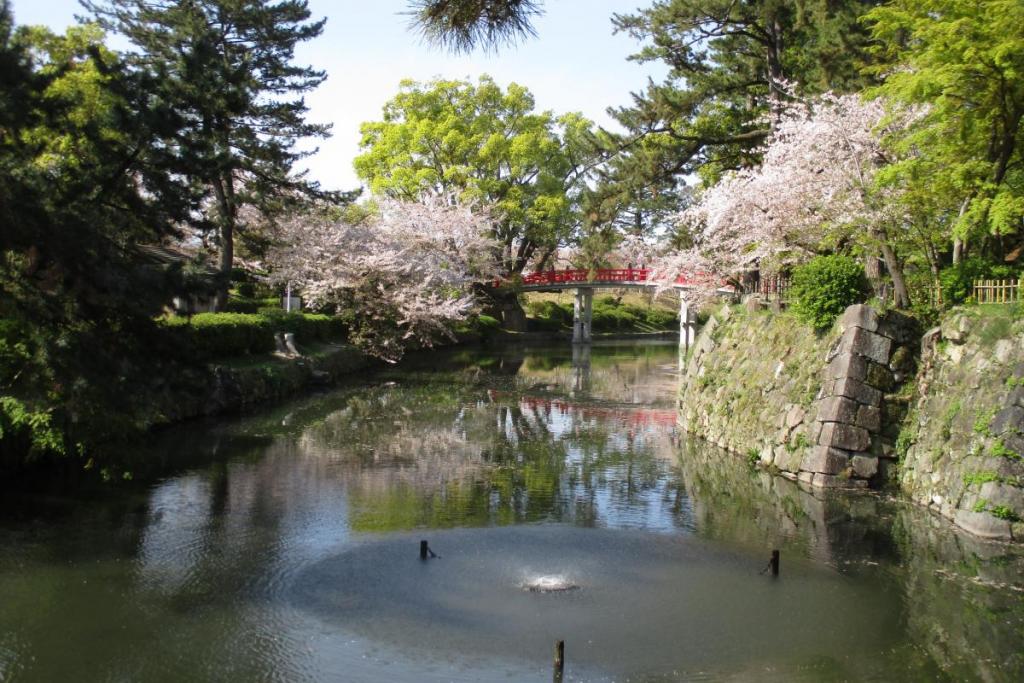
(284,547)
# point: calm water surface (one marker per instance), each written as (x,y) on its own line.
(285,547)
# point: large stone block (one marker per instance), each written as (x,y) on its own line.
(867,343)
(846,437)
(794,416)
(858,391)
(879,376)
(847,365)
(825,460)
(901,328)
(1009,419)
(830,481)
(870,418)
(860,316)
(1017,397)
(838,409)
(1002,494)
(955,329)
(982,524)
(863,466)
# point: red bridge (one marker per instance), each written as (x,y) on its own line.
(601,277)
(585,281)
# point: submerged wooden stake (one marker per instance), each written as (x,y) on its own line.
(559,660)
(423,550)
(775,563)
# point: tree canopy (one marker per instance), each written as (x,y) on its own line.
(965,62)
(228,67)
(730,64)
(485,145)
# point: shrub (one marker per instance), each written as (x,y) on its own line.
(823,288)
(549,316)
(611,318)
(209,336)
(957,281)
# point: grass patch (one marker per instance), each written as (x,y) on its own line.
(1000,450)
(983,420)
(979,478)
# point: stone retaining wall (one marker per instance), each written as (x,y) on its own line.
(963,442)
(817,417)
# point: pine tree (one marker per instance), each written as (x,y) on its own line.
(463,25)
(730,64)
(227,67)
(78,202)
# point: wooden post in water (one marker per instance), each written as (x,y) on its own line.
(559,660)
(775,563)
(423,550)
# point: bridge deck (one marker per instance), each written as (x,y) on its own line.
(601,278)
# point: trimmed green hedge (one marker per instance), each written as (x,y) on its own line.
(209,336)
(608,316)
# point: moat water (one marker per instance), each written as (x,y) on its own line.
(562,502)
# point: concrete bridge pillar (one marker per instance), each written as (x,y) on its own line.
(687,324)
(582,315)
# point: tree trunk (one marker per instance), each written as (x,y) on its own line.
(225,203)
(892,264)
(224,265)
(775,73)
(959,244)
(874,272)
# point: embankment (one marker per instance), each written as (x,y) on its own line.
(963,442)
(848,408)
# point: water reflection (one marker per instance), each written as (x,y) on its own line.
(284,546)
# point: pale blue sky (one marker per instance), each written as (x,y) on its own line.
(575,64)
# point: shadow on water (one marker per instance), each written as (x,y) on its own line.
(284,545)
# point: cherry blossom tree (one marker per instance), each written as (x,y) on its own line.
(815,189)
(406,271)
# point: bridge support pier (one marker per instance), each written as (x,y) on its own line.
(582,315)
(687,324)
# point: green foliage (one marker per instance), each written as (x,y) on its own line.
(79,203)
(212,336)
(710,113)
(1001,450)
(485,145)
(947,420)
(27,430)
(964,60)
(979,478)
(462,25)
(824,287)
(982,421)
(907,437)
(957,281)
(227,69)
(608,316)
(1004,512)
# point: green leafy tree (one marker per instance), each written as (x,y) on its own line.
(78,204)
(964,60)
(227,65)
(488,145)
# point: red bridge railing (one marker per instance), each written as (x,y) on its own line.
(600,275)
